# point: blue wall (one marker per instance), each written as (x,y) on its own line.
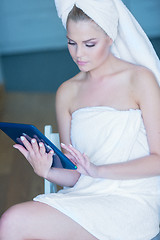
(41,71)
(1,74)
(29,26)
(33,49)
(147,12)
(34,25)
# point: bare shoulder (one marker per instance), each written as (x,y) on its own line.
(67,91)
(147,95)
(144,85)
(139,76)
(142,79)
(142,75)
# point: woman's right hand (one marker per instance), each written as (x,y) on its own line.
(36,155)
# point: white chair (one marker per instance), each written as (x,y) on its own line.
(53,137)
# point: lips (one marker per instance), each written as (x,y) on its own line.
(81,63)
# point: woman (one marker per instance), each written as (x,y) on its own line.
(110,114)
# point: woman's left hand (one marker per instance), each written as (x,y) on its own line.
(82,161)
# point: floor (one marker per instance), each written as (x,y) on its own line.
(18,182)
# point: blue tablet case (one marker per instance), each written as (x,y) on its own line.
(16,130)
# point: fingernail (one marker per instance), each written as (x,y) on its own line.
(70,145)
(22,138)
(62,144)
(33,140)
(41,144)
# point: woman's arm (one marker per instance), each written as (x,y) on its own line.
(63,114)
(35,153)
(41,163)
(147,95)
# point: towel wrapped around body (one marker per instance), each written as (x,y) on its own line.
(110,209)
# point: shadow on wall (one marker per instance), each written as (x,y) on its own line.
(38,71)
(42,71)
(156,45)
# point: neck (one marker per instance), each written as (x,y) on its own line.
(106,69)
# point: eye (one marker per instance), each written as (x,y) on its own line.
(71,43)
(90,44)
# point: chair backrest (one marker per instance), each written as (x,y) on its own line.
(53,137)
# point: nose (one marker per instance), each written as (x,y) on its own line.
(79,52)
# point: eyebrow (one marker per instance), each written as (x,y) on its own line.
(88,40)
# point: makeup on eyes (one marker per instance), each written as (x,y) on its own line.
(88,43)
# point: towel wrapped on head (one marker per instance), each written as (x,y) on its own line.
(94,9)
(130,42)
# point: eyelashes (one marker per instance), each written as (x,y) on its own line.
(71,43)
(90,45)
(87,45)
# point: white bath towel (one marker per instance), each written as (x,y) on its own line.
(130,41)
(110,209)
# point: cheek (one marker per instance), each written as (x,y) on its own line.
(71,51)
(99,55)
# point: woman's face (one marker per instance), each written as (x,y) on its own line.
(88,44)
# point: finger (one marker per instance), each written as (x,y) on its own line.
(50,158)
(51,153)
(21,149)
(71,158)
(69,150)
(26,143)
(86,158)
(42,148)
(64,146)
(35,145)
(27,137)
(79,158)
(36,137)
(77,153)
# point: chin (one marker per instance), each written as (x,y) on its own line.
(83,68)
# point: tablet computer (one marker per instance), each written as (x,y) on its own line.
(16,130)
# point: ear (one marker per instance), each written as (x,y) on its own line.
(110,41)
